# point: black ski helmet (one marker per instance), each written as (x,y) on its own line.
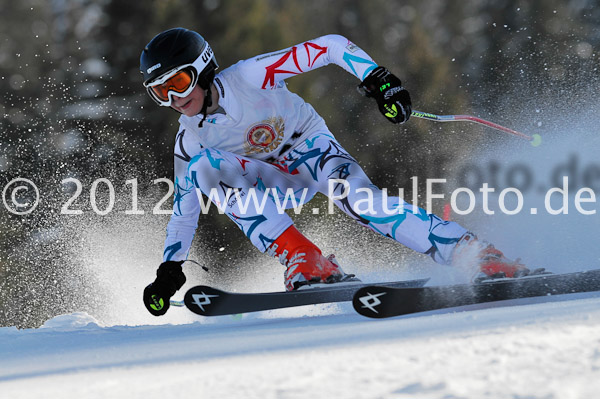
(176,47)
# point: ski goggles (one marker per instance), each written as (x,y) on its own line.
(179,82)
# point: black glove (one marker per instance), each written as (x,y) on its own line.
(169,278)
(393,99)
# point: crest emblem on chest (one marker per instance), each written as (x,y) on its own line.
(265,136)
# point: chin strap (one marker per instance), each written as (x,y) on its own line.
(207,103)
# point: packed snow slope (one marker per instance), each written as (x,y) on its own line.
(543,348)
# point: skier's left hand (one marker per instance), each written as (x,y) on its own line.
(393,99)
(169,278)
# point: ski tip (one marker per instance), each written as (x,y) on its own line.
(367,302)
(203,300)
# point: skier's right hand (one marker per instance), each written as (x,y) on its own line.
(169,278)
(392,99)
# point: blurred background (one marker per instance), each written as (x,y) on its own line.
(72,106)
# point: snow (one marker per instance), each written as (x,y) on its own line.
(542,348)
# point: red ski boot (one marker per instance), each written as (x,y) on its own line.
(489,261)
(305,265)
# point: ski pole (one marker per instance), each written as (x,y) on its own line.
(535,140)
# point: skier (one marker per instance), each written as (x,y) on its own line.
(243,133)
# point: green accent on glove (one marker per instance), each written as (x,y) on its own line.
(392,112)
(158,304)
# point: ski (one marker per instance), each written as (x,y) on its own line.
(209,301)
(381,301)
